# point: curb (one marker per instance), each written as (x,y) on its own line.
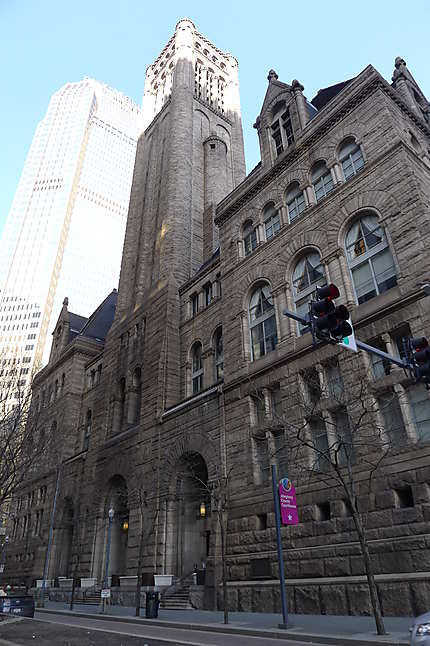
(310,638)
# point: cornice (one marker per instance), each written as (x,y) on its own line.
(301,146)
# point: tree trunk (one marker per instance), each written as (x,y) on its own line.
(374,599)
(224,568)
(72,598)
(139,574)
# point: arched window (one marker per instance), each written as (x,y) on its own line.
(196,368)
(350,157)
(307,276)
(369,258)
(262,322)
(87,430)
(322,180)
(249,238)
(295,201)
(219,354)
(272,222)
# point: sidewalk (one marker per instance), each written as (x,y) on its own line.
(327,629)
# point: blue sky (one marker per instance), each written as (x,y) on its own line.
(45,43)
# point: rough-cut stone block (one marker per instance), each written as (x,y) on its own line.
(262,599)
(358,599)
(408,515)
(394,562)
(334,600)
(420,595)
(245,600)
(395,599)
(337,567)
(307,600)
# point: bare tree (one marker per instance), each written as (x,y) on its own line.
(22,441)
(148,507)
(334,434)
(216,492)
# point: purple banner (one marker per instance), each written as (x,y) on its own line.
(287,499)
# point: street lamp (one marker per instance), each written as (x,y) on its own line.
(109,537)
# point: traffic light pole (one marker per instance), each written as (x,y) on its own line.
(360,344)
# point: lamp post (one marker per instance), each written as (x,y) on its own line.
(109,538)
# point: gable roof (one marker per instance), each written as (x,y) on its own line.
(98,324)
(274,88)
(76,323)
(326,94)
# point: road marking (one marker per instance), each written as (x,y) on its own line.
(117,632)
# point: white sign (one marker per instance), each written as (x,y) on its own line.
(348,342)
(1,567)
(106,593)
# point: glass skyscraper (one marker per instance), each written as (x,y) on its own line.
(65,231)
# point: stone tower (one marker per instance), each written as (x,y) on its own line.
(189,157)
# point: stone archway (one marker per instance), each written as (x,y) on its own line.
(64,540)
(188,534)
(116,499)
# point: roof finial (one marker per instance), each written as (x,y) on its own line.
(66,302)
(272,76)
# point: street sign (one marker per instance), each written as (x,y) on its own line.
(1,568)
(105,593)
(288,503)
(348,342)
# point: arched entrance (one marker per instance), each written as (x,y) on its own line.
(191,515)
(64,540)
(119,537)
(116,500)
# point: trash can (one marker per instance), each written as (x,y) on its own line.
(152,603)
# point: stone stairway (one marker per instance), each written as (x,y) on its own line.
(179,599)
(91,598)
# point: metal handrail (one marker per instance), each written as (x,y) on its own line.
(176,584)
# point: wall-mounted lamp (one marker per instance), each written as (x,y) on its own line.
(203,510)
(125,526)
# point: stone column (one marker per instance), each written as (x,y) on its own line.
(280,303)
(208,363)
(333,175)
(283,214)
(240,249)
(339,274)
(406,411)
(337,172)
(246,342)
(309,191)
(291,324)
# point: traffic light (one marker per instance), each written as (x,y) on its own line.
(420,358)
(328,321)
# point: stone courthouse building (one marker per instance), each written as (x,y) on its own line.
(180,371)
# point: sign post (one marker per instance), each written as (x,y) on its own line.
(279,543)
(287,497)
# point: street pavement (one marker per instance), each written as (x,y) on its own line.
(327,629)
(78,631)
